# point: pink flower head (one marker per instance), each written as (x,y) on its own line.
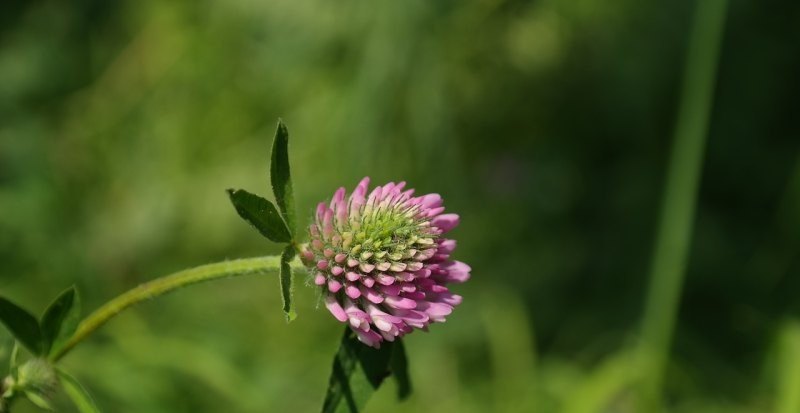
(382,261)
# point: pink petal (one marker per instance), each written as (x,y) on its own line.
(398,267)
(400,302)
(374,196)
(424,254)
(445,222)
(436,311)
(385,279)
(405,276)
(416,295)
(387,336)
(414,266)
(327,224)
(337,197)
(431,201)
(388,190)
(321,207)
(361,188)
(376,312)
(382,324)
(433,212)
(369,338)
(371,294)
(393,289)
(339,206)
(358,318)
(334,307)
(405,197)
(448,298)
(357,199)
(334,286)
(457,271)
(413,318)
(352,291)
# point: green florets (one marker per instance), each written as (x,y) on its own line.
(387,233)
(390,238)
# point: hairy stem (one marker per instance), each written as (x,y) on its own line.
(163,285)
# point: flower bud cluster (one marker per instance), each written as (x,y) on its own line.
(382,260)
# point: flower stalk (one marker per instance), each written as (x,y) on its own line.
(163,285)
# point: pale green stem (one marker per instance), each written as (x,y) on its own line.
(787,399)
(680,195)
(163,285)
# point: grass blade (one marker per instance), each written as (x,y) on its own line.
(680,196)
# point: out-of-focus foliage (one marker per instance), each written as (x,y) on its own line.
(545,124)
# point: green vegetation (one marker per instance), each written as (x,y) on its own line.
(548,126)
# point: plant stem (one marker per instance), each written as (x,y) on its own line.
(680,195)
(787,398)
(163,285)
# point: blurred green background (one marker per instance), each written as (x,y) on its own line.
(547,125)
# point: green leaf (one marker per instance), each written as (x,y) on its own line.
(77,393)
(287,287)
(358,370)
(261,214)
(281,178)
(399,368)
(22,325)
(60,320)
(38,400)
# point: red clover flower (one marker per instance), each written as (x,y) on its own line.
(382,261)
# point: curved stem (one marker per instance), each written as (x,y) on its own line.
(165,285)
